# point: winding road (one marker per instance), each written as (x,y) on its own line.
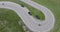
(49,21)
(29,21)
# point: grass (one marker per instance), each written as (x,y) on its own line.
(9,21)
(32,10)
(35,12)
(54,6)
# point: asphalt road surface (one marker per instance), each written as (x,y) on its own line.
(49,21)
(29,21)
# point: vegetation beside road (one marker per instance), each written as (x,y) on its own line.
(9,21)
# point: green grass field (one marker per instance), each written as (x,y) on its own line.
(9,21)
(54,6)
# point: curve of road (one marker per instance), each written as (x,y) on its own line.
(49,21)
(29,21)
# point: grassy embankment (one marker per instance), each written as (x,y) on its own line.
(9,21)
